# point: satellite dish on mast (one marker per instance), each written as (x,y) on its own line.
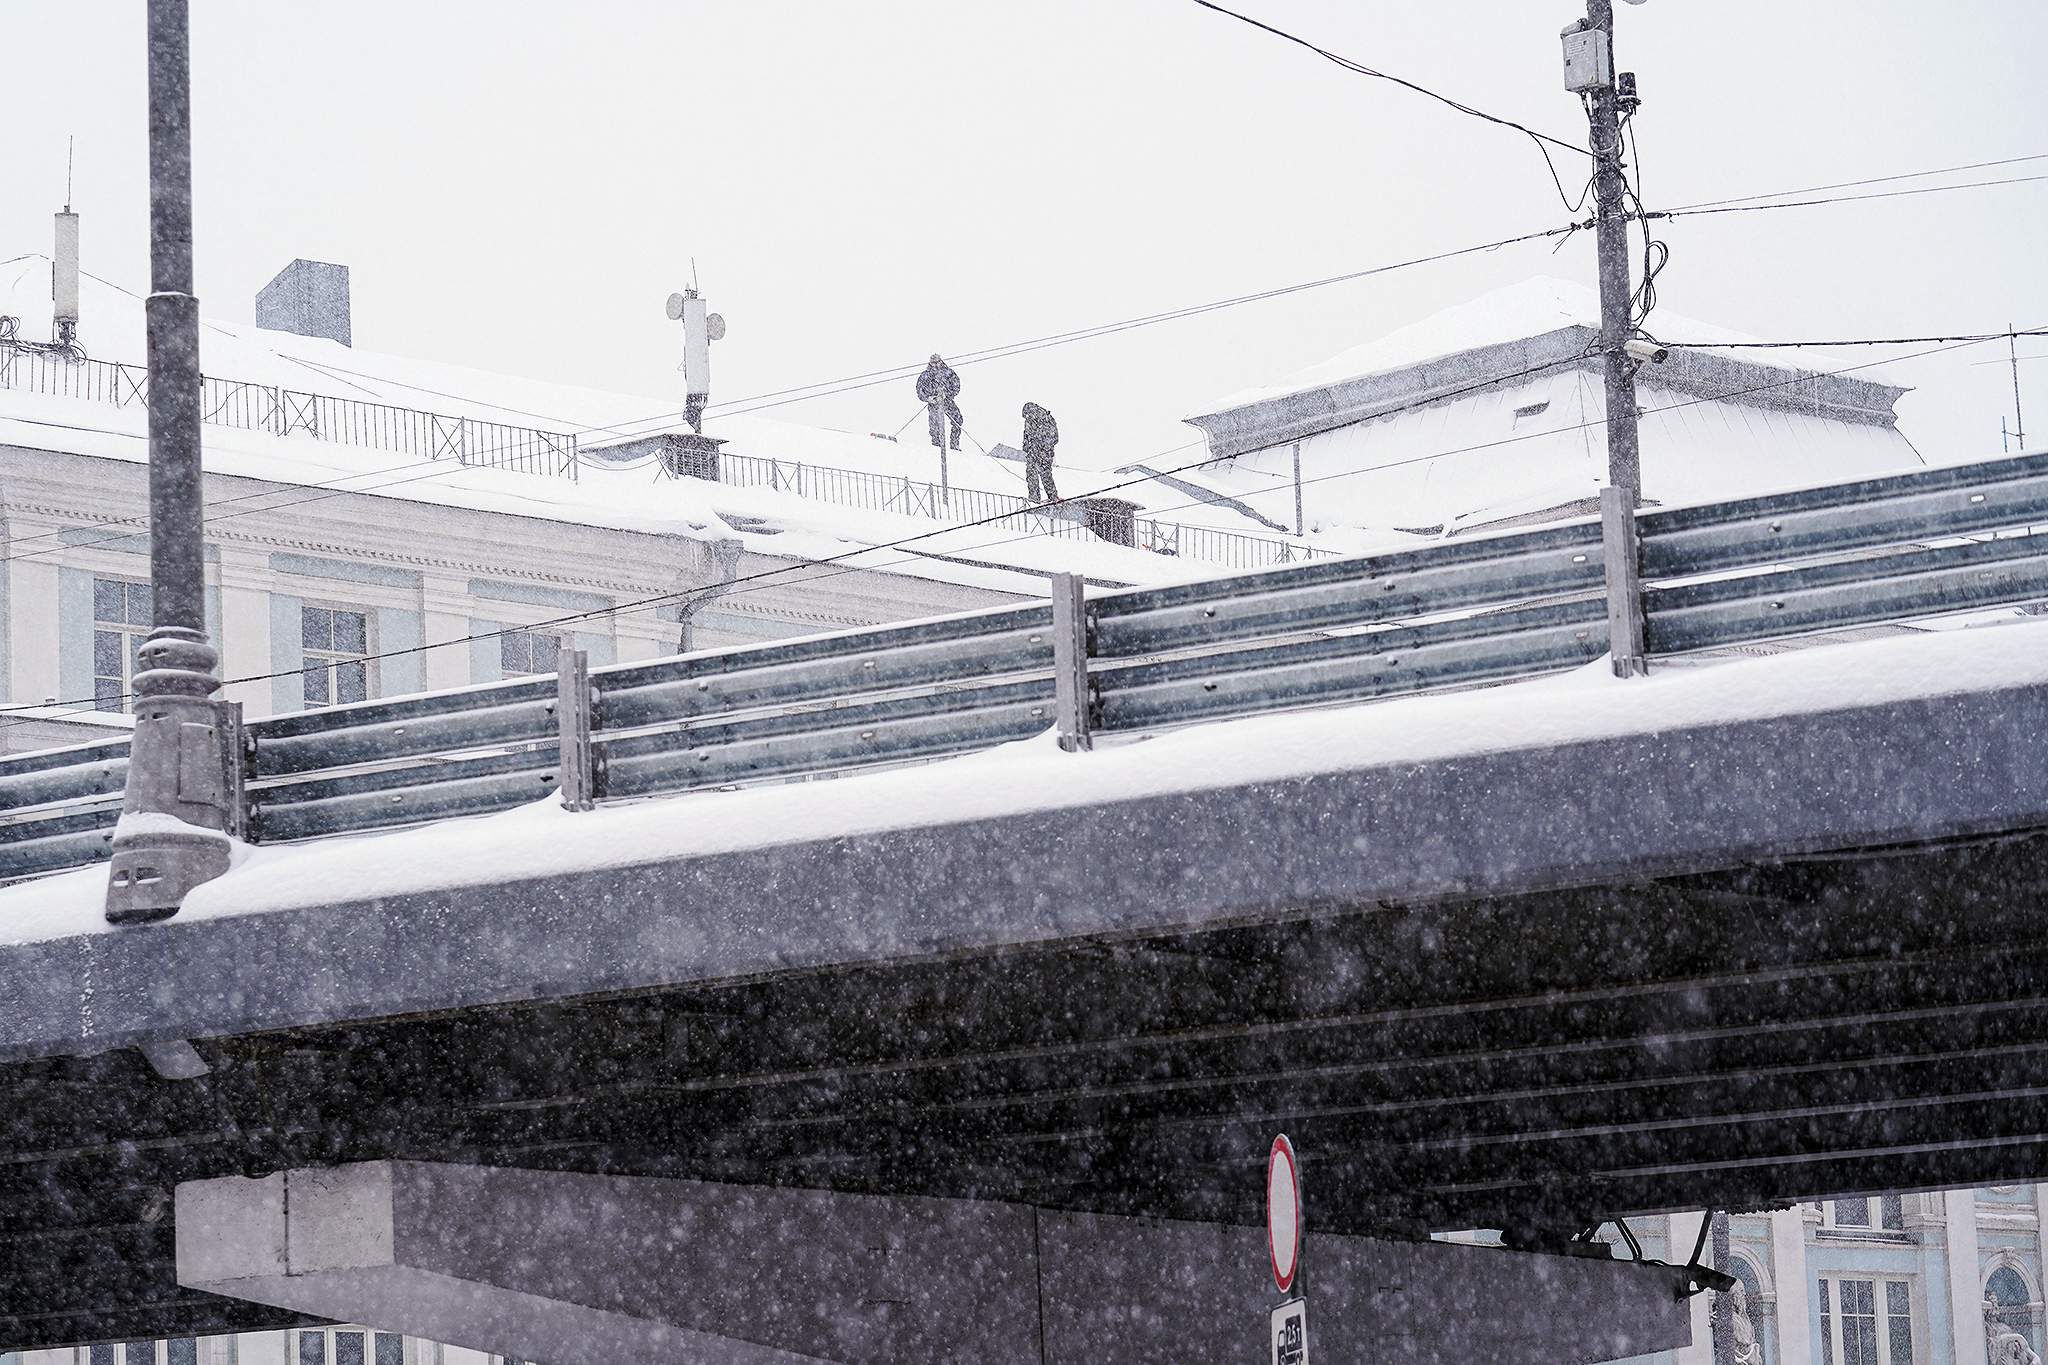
(675,307)
(714,327)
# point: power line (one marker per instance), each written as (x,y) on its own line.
(723,590)
(1970,337)
(1844,198)
(1856,184)
(826,388)
(1360,68)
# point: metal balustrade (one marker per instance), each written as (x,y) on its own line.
(1001,511)
(427,435)
(1462,612)
(284,412)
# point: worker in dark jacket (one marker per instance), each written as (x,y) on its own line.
(1041,434)
(938,388)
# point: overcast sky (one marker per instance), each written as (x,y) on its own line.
(517,186)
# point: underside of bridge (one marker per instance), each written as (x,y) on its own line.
(1871,1019)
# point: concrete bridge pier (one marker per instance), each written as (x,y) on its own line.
(586,1270)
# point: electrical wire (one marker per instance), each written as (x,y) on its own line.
(1970,337)
(877,376)
(727,589)
(1360,68)
(829,387)
(1846,198)
(1873,180)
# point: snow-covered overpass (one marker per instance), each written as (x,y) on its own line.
(1527,958)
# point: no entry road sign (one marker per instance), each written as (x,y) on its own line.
(1283,1212)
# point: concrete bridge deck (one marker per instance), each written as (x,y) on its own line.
(1525,958)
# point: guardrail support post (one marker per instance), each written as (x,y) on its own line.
(1622,552)
(1070,662)
(234,756)
(572,725)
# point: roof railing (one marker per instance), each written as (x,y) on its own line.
(246,406)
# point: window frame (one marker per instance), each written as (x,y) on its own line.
(1873,1212)
(129,630)
(1828,1308)
(330,1352)
(329,660)
(531,636)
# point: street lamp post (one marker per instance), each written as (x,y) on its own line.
(172,832)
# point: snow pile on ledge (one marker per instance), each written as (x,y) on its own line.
(1587,704)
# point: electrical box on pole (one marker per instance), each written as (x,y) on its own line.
(1588,62)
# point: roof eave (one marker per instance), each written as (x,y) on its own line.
(1309,412)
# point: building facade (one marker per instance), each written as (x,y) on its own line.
(1943,1278)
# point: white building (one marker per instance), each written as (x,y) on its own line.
(378,526)
(1493,413)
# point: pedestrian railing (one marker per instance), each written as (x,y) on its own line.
(1003,511)
(1459,613)
(283,412)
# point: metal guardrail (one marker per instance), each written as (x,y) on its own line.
(1002,511)
(1453,614)
(282,411)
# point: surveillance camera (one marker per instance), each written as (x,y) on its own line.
(1647,350)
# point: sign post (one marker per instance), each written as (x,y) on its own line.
(1289,1322)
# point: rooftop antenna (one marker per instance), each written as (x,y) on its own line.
(64,265)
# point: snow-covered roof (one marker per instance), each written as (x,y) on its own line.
(111,327)
(1539,445)
(632,496)
(1530,308)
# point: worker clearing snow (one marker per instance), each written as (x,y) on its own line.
(1041,434)
(938,388)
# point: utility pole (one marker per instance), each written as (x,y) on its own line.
(171,836)
(1590,71)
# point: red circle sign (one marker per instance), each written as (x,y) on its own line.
(1283,1212)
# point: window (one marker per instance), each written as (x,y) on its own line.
(1881,1215)
(181,1351)
(336,670)
(121,613)
(350,1346)
(1865,1322)
(528,651)
(139,1353)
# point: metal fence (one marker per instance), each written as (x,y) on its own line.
(282,411)
(1455,614)
(531,450)
(1003,511)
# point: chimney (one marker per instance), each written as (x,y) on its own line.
(309,298)
(64,279)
